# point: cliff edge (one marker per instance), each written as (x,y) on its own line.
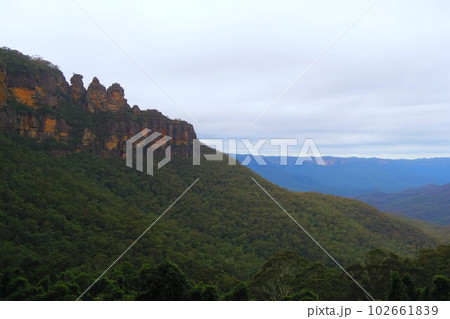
(37,101)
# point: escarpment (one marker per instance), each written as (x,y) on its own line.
(36,101)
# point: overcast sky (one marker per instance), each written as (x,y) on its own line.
(382,90)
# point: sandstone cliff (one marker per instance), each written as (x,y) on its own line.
(36,101)
(3,88)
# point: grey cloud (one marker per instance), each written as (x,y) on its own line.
(381,90)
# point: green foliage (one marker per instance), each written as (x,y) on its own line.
(21,109)
(429,203)
(21,64)
(278,277)
(398,290)
(303,295)
(239,293)
(65,218)
(411,290)
(203,292)
(165,282)
(441,288)
(287,274)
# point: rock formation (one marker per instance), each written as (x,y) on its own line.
(40,104)
(96,97)
(77,90)
(40,89)
(115,98)
(136,110)
(3,88)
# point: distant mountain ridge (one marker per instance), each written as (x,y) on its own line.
(69,205)
(430,203)
(353,176)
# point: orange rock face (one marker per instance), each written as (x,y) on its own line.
(49,125)
(112,143)
(100,100)
(116,98)
(96,96)
(3,89)
(88,137)
(105,136)
(24,95)
(42,127)
(28,126)
(77,90)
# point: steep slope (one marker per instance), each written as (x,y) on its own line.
(80,211)
(354,176)
(69,209)
(430,203)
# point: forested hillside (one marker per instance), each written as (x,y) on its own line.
(69,206)
(430,203)
(67,216)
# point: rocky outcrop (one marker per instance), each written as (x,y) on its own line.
(109,136)
(40,127)
(96,97)
(136,110)
(3,88)
(115,98)
(77,90)
(37,90)
(40,104)
(100,99)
